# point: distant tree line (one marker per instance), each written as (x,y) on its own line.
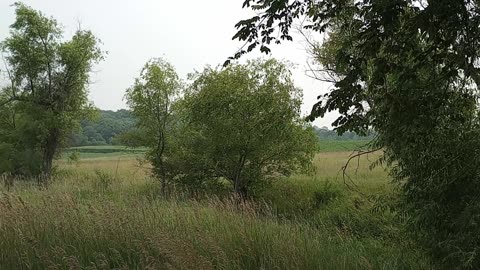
(324,133)
(102,129)
(107,127)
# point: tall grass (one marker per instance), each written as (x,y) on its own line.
(107,215)
(61,232)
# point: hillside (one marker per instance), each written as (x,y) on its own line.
(103,129)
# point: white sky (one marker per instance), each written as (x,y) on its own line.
(189,33)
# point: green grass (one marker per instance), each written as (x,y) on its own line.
(104,152)
(106,214)
(341,146)
(115,151)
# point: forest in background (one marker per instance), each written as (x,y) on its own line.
(108,124)
(102,129)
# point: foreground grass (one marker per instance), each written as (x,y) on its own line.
(62,232)
(106,214)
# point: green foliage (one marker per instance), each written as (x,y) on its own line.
(324,134)
(327,194)
(134,137)
(75,223)
(151,99)
(104,152)
(140,234)
(409,69)
(47,95)
(342,146)
(104,129)
(73,157)
(244,126)
(103,180)
(18,142)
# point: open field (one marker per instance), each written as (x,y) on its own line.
(341,146)
(104,152)
(117,151)
(106,213)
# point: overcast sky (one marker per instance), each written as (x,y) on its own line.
(189,33)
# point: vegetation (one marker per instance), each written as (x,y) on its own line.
(104,214)
(103,129)
(222,172)
(151,99)
(325,134)
(409,70)
(121,152)
(104,152)
(118,127)
(245,126)
(47,93)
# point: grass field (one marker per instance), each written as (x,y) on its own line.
(104,152)
(341,146)
(114,151)
(104,212)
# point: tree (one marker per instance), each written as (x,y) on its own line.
(49,79)
(245,125)
(409,69)
(151,98)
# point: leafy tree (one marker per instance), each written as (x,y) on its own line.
(49,79)
(18,141)
(245,125)
(151,98)
(409,69)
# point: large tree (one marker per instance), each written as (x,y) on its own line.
(409,69)
(48,81)
(245,124)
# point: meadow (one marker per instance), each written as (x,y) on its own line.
(104,211)
(103,152)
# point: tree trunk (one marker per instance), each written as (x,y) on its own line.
(241,190)
(238,183)
(49,149)
(160,166)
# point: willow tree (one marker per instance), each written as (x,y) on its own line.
(48,84)
(247,125)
